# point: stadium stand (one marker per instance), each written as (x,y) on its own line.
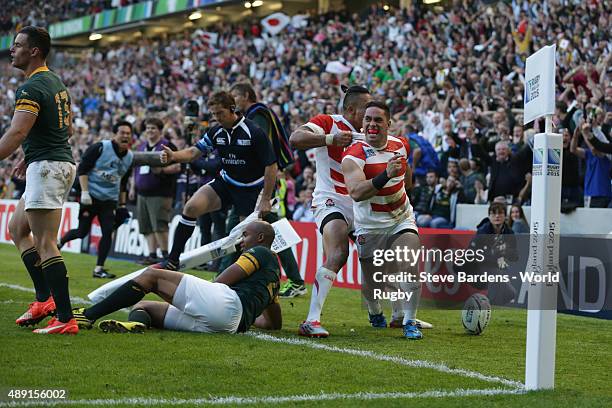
(32,12)
(454,78)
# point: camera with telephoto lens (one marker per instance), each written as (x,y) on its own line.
(190,122)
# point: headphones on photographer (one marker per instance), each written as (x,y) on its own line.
(232,108)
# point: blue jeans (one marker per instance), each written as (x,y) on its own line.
(423,220)
(428,221)
(440,222)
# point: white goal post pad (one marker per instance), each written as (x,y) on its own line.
(543,259)
(286,237)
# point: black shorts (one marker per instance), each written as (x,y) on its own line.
(104,210)
(97,208)
(242,198)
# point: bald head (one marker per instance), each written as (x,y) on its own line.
(258,233)
(264,229)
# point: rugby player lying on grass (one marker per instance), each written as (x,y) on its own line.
(246,293)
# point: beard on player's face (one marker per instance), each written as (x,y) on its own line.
(375,131)
(374,136)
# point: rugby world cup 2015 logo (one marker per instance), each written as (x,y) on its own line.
(538,160)
(553,166)
(369,152)
(532,89)
(553,162)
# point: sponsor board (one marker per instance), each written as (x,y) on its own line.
(70,220)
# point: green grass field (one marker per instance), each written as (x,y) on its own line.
(356,366)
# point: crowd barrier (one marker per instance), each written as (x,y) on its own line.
(586,221)
(70,220)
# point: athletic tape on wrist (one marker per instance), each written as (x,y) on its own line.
(379,181)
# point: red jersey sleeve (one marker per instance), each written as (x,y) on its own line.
(321,124)
(355,153)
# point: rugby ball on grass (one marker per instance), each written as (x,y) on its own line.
(476,313)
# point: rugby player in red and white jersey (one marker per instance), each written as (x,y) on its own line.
(333,208)
(377,178)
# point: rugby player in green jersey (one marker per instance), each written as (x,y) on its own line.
(245,294)
(41,124)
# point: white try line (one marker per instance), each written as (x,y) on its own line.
(516,387)
(383,357)
(74,299)
(460,392)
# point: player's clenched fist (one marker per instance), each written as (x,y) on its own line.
(343,138)
(166,156)
(396,166)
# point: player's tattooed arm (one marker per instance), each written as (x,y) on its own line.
(306,137)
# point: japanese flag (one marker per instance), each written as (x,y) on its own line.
(210,38)
(275,23)
(207,37)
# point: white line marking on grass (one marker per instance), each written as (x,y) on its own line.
(383,357)
(460,392)
(16,287)
(74,299)
(517,387)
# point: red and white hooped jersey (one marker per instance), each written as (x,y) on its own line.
(390,205)
(330,180)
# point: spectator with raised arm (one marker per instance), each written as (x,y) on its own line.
(597,187)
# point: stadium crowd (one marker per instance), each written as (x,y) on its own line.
(32,12)
(453,79)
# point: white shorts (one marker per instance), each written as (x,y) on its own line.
(48,184)
(343,207)
(369,240)
(202,306)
